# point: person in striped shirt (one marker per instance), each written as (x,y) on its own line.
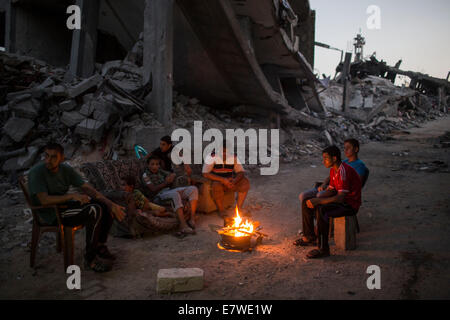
(228,175)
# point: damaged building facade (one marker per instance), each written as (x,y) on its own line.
(225,53)
(138,69)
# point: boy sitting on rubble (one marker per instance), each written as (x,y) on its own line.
(159,183)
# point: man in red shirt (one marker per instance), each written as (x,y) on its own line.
(342,198)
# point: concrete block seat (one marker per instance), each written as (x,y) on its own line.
(206,202)
(346,228)
(345,232)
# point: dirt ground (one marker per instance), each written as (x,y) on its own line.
(404,219)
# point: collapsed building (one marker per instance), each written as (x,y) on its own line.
(224,52)
(137,69)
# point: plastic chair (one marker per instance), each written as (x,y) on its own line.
(64,235)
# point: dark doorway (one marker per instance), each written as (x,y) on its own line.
(108,48)
(2,28)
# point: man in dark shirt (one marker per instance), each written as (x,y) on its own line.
(164,153)
(49,183)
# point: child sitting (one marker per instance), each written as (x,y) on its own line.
(137,201)
(159,183)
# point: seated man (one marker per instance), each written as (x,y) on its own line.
(351,149)
(226,176)
(342,198)
(159,182)
(49,183)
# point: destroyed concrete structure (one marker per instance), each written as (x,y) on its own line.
(232,64)
(257,53)
(418,81)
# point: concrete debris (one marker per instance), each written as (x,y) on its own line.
(8,155)
(331,98)
(357,100)
(90,129)
(59,91)
(47,83)
(84,86)
(22,162)
(38,105)
(136,55)
(368,102)
(72,118)
(328,137)
(28,108)
(18,128)
(68,105)
(87,109)
(87,98)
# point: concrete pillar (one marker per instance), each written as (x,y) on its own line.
(10,27)
(84,41)
(442,99)
(158,57)
(345,80)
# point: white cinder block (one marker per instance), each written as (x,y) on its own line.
(179,280)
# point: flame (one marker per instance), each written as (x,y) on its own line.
(247,226)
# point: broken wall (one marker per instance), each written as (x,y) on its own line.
(39,30)
(193,66)
(122,19)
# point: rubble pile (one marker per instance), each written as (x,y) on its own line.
(37,105)
(106,112)
(376,107)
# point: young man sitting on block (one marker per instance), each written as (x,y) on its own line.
(341,198)
(351,150)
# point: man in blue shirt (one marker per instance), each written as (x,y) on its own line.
(351,149)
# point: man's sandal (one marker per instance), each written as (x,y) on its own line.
(317,254)
(188,230)
(180,235)
(302,243)
(191,224)
(98,265)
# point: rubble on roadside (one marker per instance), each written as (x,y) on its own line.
(37,106)
(106,112)
(376,108)
(433,166)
